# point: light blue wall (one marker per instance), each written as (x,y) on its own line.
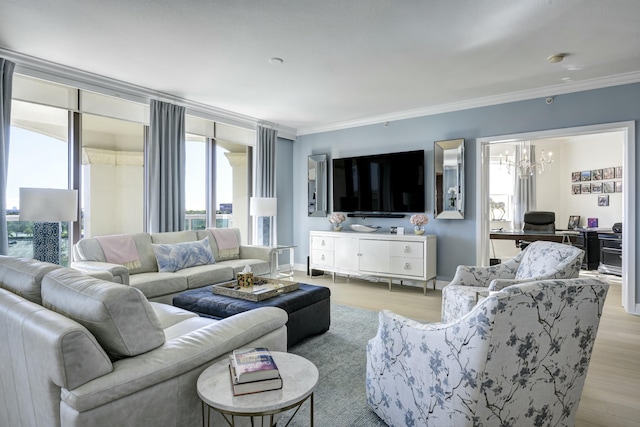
(456,239)
(284,191)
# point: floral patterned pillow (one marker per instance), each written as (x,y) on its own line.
(174,257)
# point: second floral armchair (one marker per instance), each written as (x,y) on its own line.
(539,261)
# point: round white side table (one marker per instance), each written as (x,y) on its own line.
(299,380)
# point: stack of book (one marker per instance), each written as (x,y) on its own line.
(253,370)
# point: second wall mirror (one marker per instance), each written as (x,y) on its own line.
(448,166)
(318,180)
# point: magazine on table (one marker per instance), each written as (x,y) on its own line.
(253,364)
(254,386)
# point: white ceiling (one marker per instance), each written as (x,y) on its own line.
(345,62)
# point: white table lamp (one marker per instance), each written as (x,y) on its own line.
(264,207)
(47,208)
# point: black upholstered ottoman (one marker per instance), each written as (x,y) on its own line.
(308,308)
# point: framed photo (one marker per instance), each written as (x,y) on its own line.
(586,189)
(592,222)
(596,187)
(603,200)
(585,176)
(618,186)
(608,173)
(608,187)
(574,221)
(576,188)
(596,174)
(619,172)
(575,176)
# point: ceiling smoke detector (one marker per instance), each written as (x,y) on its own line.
(558,57)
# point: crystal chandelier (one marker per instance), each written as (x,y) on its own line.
(525,166)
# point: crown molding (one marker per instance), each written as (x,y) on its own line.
(554,90)
(65,75)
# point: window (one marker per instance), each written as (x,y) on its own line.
(231,177)
(196,183)
(112,197)
(39,158)
(501,185)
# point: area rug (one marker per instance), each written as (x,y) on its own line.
(340,355)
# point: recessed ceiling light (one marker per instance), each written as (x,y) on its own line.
(276,61)
(558,57)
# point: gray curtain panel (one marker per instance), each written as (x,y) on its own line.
(265,180)
(166,168)
(266,162)
(524,196)
(6,85)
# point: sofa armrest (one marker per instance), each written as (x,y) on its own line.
(257,252)
(179,356)
(103,270)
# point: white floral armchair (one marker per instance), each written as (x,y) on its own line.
(540,260)
(519,358)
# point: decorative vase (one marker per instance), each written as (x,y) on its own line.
(337,227)
(418,229)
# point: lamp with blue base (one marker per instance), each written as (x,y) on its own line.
(47,208)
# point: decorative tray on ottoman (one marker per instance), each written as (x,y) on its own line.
(262,289)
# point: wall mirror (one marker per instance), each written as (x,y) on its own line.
(448,166)
(318,181)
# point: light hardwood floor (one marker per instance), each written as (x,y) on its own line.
(611,395)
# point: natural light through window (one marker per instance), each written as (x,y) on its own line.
(501,185)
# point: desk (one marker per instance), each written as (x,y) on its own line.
(532,236)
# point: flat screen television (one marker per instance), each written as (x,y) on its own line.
(382,183)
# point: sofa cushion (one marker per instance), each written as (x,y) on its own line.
(155,285)
(169,315)
(146,254)
(214,246)
(174,237)
(204,275)
(174,257)
(89,249)
(119,316)
(23,276)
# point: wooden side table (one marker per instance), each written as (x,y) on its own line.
(299,381)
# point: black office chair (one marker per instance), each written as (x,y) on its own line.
(538,221)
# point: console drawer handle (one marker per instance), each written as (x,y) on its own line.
(407,249)
(407,266)
(322,257)
(322,244)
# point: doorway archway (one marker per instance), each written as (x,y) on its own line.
(629,198)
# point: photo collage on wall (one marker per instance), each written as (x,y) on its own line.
(598,181)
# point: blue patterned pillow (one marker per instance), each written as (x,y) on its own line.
(174,257)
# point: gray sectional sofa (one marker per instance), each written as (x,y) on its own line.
(80,351)
(89,257)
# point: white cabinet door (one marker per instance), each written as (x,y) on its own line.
(375,255)
(346,253)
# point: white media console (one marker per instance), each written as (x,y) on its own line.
(404,257)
